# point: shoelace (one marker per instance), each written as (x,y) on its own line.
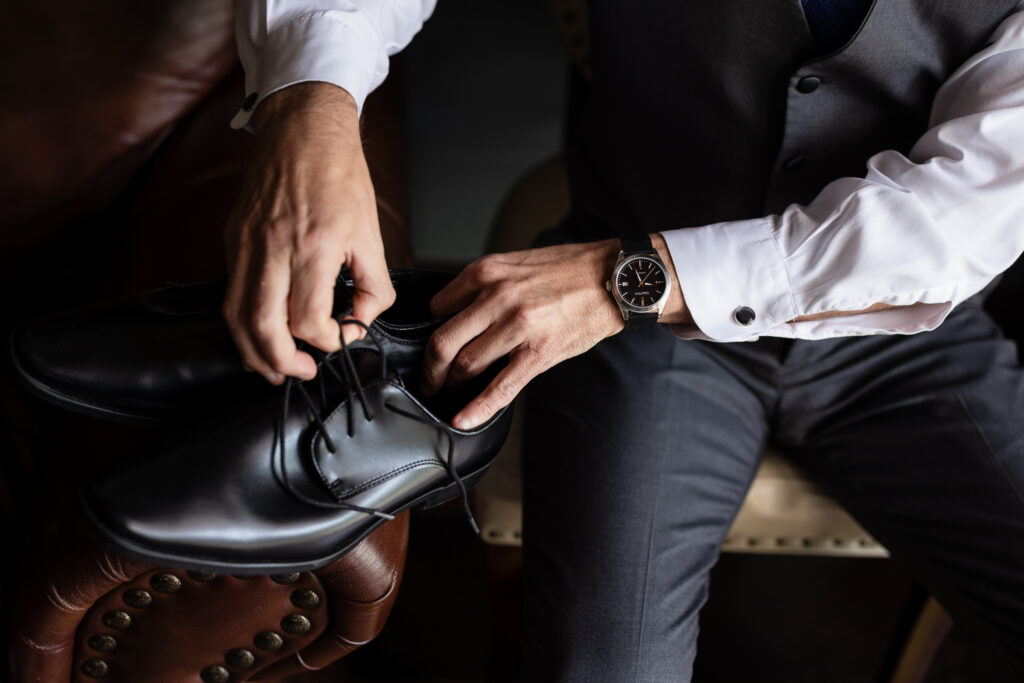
(354,389)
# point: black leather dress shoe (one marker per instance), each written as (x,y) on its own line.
(167,354)
(292,481)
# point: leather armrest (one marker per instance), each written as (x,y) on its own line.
(99,615)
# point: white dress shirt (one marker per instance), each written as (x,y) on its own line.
(932,228)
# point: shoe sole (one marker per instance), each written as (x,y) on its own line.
(56,397)
(127,548)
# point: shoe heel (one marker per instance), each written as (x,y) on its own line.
(452,491)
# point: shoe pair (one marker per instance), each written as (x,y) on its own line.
(257,479)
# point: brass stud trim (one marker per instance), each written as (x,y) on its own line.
(137,598)
(117,619)
(215,673)
(305,598)
(102,643)
(285,579)
(240,658)
(165,583)
(95,668)
(268,640)
(202,577)
(296,624)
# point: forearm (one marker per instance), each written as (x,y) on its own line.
(892,252)
(343,42)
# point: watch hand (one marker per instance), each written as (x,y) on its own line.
(646,276)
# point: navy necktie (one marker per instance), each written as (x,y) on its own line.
(833,22)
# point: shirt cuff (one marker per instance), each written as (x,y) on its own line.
(316,47)
(733,279)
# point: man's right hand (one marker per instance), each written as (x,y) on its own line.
(307,207)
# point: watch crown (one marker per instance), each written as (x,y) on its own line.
(608,285)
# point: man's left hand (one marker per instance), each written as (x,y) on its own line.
(538,307)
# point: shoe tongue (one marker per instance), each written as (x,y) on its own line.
(337,378)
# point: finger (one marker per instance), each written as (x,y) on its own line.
(251,359)
(460,292)
(502,390)
(311,302)
(235,304)
(373,292)
(495,342)
(446,342)
(268,319)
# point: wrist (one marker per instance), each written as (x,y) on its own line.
(675,311)
(314,101)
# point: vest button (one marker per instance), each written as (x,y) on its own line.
(793,164)
(808,84)
(744,315)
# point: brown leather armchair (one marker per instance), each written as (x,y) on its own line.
(118,173)
(100,616)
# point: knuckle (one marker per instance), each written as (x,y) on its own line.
(502,395)
(388,296)
(304,328)
(543,351)
(528,314)
(464,363)
(261,323)
(485,268)
(437,347)
(312,248)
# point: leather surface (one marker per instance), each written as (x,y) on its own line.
(178,634)
(118,173)
(167,353)
(96,86)
(213,496)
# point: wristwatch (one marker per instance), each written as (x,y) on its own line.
(640,282)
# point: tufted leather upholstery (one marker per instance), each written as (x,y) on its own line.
(167,626)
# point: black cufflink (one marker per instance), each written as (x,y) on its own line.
(744,315)
(250,101)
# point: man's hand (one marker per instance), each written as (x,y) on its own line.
(539,307)
(307,207)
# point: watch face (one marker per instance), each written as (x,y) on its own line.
(640,282)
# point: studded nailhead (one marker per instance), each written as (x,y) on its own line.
(117,619)
(165,583)
(305,598)
(103,643)
(240,658)
(202,577)
(296,624)
(268,640)
(95,668)
(215,674)
(137,598)
(285,579)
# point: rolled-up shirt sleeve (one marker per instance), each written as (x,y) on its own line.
(344,42)
(931,228)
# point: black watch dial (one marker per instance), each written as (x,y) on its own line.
(640,282)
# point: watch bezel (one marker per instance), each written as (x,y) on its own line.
(656,307)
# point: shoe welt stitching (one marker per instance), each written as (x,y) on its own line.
(335,485)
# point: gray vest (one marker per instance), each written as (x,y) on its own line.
(700,111)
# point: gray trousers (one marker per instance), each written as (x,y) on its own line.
(639,454)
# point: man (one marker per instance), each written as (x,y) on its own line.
(812,304)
